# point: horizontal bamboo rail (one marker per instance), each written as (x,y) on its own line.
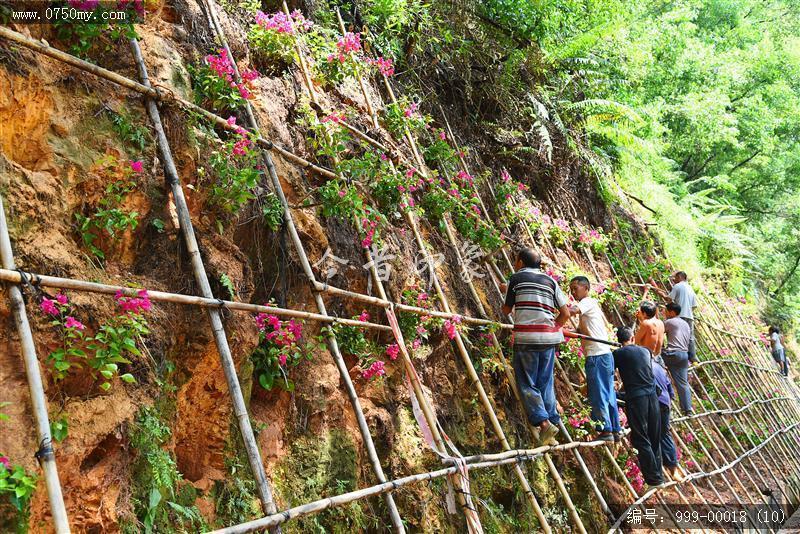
(476,462)
(18,277)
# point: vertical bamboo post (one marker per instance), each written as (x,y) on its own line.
(220,338)
(47,458)
(333,345)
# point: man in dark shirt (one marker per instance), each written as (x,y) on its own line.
(644,415)
(540,311)
(669,455)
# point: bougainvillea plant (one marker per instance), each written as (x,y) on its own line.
(578,418)
(83,36)
(215,85)
(281,347)
(417,328)
(273,36)
(236,171)
(108,221)
(112,345)
(404,114)
(353,341)
(590,238)
(571,352)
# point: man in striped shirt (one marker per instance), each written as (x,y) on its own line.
(540,310)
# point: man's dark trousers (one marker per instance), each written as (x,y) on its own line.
(644,418)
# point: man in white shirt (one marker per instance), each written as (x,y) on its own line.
(599,361)
(683,295)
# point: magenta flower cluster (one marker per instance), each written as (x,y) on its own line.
(385,66)
(280,22)
(243,142)
(375,370)
(349,43)
(450,326)
(57,307)
(222,65)
(280,333)
(134,305)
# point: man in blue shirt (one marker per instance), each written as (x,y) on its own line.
(540,311)
(641,404)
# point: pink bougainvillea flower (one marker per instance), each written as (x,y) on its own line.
(135,305)
(364,317)
(49,306)
(72,322)
(374,370)
(5,462)
(62,299)
(282,359)
(392,351)
(231,121)
(136,166)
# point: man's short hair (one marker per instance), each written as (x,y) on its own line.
(624,334)
(681,275)
(674,307)
(581,281)
(530,258)
(774,330)
(648,308)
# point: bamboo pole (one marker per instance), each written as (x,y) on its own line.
(220,338)
(46,455)
(167,97)
(16,277)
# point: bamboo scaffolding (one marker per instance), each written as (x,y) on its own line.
(220,338)
(480,461)
(213,304)
(458,480)
(713,382)
(702,428)
(333,346)
(714,445)
(46,455)
(697,476)
(409,217)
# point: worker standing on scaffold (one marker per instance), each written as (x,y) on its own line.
(540,311)
(599,364)
(641,404)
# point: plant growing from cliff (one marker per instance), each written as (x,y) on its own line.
(281,347)
(82,35)
(417,328)
(236,171)
(439,153)
(16,489)
(111,346)
(162,501)
(578,418)
(126,128)
(273,36)
(572,353)
(214,83)
(559,232)
(404,114)
(109,220)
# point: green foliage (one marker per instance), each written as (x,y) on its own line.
(281,347)
(212,91)
(398,25)
(404,115)
(83,36)
(16,488)
(109,220)
(162,501)
(59,428)
(112,345)
(271,210)
(236,174)
(135,135)
(271,47)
